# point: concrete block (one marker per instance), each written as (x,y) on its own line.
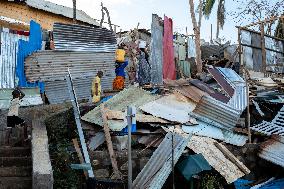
(42,169)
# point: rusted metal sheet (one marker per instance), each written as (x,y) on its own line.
(216,113)
(228,169)
(158,168)
(239,99)
(174,107)
(275,127)
(8,57)
(191,92)
(272,150)
(53,65)
(221,81)
(74,37)
(132,96)
(204,87)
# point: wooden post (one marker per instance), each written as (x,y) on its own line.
(131,121)
(263,51)
(79,153)
(248,109)
(117,174)
(240,50)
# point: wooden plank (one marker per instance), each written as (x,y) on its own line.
(263,50)
(79,153)
(119,115)
(117,174)
(232,158)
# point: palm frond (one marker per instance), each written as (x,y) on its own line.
(207,7)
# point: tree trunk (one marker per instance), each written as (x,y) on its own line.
(74,11)
(217,29)
(196,29)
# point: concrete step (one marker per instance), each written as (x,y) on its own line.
(15,182)
(15,161)
(15,151)
(15,172)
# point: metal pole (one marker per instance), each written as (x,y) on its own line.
(131,120)
(173,162)
(75,105)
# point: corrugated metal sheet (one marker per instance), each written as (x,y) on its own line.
(61,10)
(83,38)
(239,99)
(273,150)
(53,65)
(275,127)
(158,168)
(205,87)
(8,57)
(32,97)
(183,67)
(57,91)
(174,107)
(204,129)
(221,81)
(216,113)
(206,146)
(156,55)
(132,96)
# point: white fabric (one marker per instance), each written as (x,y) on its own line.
(142,44)
(191,48)
(14,107)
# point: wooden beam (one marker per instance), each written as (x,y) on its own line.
(117,173)
(79,153)
(231,157)
(267,20)
(263,50)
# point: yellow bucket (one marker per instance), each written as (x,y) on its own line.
(119,55)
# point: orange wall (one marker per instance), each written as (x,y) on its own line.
(24,13)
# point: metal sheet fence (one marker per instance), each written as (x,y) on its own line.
(8,57)
(253,53)
(83,38)
(53,65)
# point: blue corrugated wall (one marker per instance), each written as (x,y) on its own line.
(25,49)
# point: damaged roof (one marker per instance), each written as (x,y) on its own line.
(133,96)
(61,10)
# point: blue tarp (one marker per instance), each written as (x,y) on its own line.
(193,165)
(25,49)
(276,184)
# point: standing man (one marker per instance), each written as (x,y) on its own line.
(96,87)
(13,118)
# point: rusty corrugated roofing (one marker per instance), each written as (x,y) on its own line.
(273,150)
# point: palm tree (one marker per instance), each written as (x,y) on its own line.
(196,29)
(221,12)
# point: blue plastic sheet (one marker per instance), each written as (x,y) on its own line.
(276,184)
(193,165)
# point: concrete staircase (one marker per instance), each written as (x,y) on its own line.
(15,168)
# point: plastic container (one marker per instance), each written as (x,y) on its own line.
(119,55)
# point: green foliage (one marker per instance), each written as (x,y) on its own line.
(207,7)
(61,130)
(210,182)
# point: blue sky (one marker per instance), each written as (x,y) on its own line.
(127,14)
